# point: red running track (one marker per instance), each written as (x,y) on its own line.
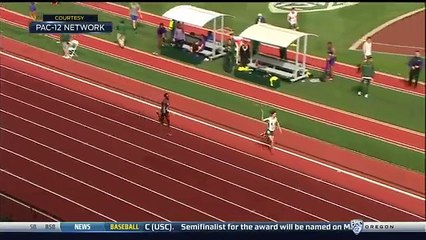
(321,151)
(91,150)
(334,117)
(381,79)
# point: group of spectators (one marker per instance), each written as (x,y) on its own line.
(415,65)
(177,38)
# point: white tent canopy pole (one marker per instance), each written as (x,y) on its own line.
(280,37)
(272,35)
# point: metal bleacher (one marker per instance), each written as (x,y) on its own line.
(278,67)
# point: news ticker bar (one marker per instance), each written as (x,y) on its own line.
(70,27)
(141,227)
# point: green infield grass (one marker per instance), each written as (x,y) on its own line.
(341,26)
(383,105)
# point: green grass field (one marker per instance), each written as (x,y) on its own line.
(342,26)
(378,149)
(384,105)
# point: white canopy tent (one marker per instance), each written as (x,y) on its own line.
(200,17)
(280,37)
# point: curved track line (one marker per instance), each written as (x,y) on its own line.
(222,129)
(356,44)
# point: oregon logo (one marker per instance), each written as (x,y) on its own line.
(285,7)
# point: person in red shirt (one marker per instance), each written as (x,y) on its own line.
(199,45)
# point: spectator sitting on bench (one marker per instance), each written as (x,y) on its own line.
(179,36)
(198,46)
(209,37)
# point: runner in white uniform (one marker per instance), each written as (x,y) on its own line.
(292,19)
(272,123)
(367,48)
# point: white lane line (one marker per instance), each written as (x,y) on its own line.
(56,194)
(293,111)
(192,150)
(98,168)
(162,156)
(84,183)
(29,207)
(398,46)
(221,129)
(272,163)
(126,160)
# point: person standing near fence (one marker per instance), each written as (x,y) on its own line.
(416,65)
(134,14)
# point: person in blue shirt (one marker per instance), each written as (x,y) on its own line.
(416,65)
(209,37)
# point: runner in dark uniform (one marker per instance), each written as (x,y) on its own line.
(164,115)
